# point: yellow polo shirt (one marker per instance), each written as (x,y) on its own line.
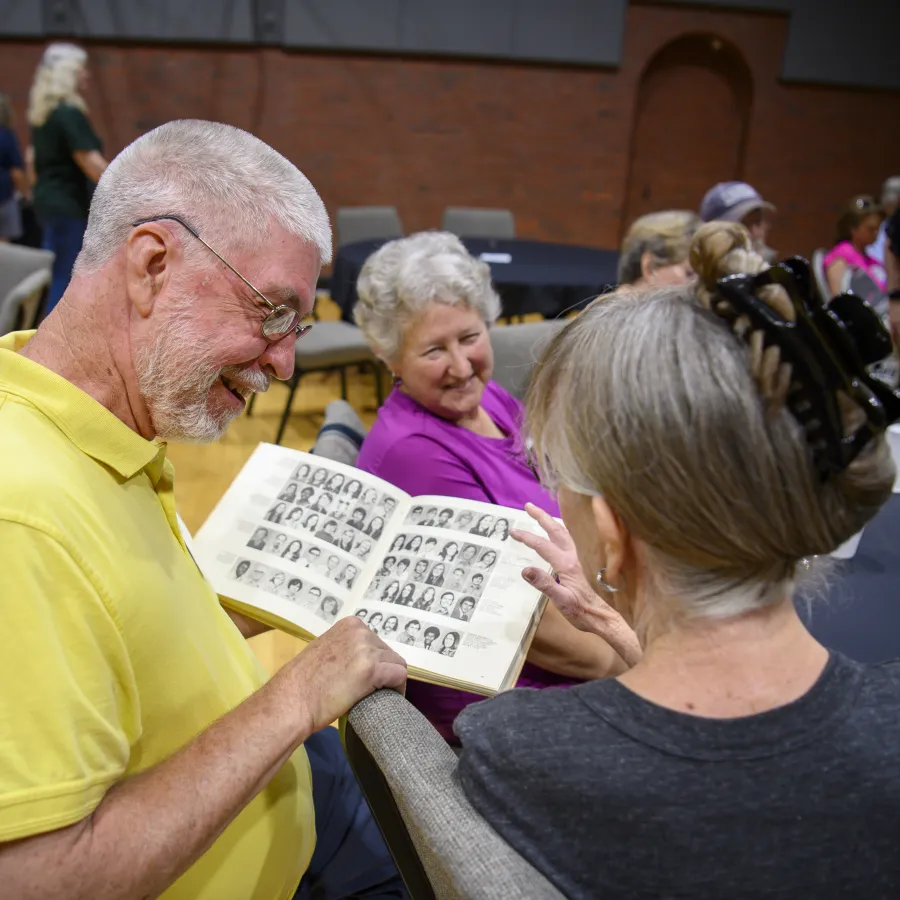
(114,651)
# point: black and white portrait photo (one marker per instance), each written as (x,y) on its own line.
(276,513)
(258,541)
(464,609)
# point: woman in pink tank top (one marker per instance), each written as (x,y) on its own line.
(857,228)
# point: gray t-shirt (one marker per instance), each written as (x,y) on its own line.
(611,796)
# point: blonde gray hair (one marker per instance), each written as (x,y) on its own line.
(225,182)
(56,81)
(666,236)
(648,399)
(402,278)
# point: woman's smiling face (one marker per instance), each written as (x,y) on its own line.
(446,360)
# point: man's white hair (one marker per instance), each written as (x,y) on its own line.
(223,181)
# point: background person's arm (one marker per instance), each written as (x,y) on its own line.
(20,182)
(30,170)
(91,162)
(245,625)
(834,275)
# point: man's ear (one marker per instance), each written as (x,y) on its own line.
(149,253)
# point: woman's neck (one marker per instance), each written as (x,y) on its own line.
(732,667)
(479,422)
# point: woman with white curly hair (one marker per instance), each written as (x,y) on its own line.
(425,306)
(66,157)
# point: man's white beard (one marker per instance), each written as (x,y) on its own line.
(175,382)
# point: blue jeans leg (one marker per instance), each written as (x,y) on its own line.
(63,237)
(351,859)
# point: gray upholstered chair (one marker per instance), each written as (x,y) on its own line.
(479,223)
(19,308)
(443,848)
(330,346)
(17,263)
(367,223)
(516,350)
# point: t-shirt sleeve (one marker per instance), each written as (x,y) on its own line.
(69,708)
(77,129)
(420,465)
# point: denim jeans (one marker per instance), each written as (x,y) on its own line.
(351,859)
(63,237)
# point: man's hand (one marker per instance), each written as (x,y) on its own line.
(348,662)
(572,595)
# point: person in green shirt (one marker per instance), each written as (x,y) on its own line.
(66,157)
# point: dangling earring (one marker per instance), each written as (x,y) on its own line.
(606,586)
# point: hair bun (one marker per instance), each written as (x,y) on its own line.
(720,249)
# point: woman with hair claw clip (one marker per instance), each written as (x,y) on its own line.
(710,440)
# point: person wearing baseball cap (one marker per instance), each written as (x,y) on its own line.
(737,201)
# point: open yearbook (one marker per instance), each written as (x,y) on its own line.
(299,542)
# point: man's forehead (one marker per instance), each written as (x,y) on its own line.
(287,271)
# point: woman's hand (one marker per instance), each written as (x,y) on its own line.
(570,591)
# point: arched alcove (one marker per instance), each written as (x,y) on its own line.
(692,114)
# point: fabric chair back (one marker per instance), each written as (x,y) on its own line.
(442,846)
(17,263)
(367,223)
(479,223)
(19,308)
(516,350)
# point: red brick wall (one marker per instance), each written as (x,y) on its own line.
(550,143)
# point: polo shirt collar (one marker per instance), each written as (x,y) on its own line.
(85,422)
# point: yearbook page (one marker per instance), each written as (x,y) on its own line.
(299,542)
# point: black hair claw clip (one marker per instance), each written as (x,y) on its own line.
(829,348)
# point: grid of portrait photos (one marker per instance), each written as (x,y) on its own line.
(433,575)
(465,521)
(289,587)
(306,554)
(333,508)
(411,632)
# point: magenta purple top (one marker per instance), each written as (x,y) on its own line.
(423,454)
(856,260)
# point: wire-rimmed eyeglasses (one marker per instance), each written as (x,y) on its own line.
(280,321)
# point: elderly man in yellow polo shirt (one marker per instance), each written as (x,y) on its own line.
(142,751)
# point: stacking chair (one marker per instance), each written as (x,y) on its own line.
(19,308)
(367,223)
(479,223)
(443,848)
(332,346)
(516,350)
(16,264)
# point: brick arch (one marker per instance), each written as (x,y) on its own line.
(691,121)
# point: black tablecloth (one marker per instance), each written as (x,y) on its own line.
(540,277)
(861,614)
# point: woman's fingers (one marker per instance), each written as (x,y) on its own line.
(557,533)
(548,585)
(544,548)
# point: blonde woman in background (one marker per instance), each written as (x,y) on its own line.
(66,157)
(737,758)
(655,249)
(12,175)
